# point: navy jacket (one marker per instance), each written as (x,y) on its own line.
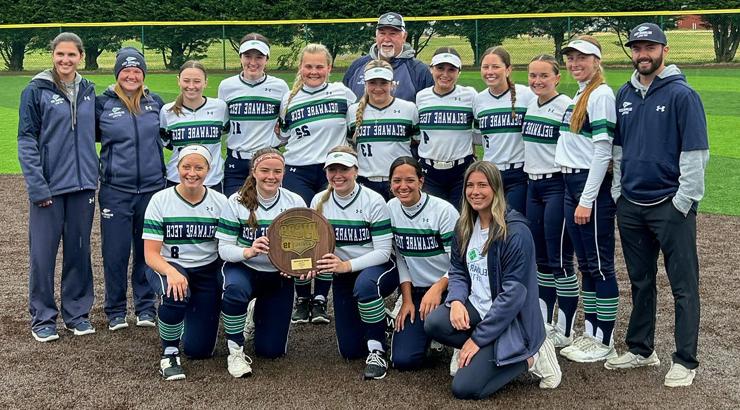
(56,146)
(131,155)
(409,74)
(653,131)
(514,323)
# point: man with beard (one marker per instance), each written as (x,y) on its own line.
(660,153)
(409,74)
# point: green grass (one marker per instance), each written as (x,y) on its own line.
(718,88)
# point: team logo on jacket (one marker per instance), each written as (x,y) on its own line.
(660,108)
(626,109)
(57,99)
(116,112)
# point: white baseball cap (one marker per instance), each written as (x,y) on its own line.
(195,149)
(448,58)
(383,73)
(584,47)
(341,158)
(260,46)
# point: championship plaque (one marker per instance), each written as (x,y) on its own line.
(298,238)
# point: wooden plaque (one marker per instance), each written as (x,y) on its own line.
(298,238)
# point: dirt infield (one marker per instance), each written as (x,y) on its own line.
(117,370)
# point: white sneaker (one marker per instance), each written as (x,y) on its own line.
(546,367)
(436,346)
(239,363)
(557,338)
(453,362)
(579,343)
(593,352)
(249,326)
(630,360)
(679,376)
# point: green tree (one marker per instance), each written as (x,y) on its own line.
(14,43)
(725,28)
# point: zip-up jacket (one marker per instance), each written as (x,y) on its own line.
(131,156)
(514,322)
(56,138)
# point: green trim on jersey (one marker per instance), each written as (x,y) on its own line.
(193,123)
(518,110)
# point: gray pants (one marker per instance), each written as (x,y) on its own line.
(481,377)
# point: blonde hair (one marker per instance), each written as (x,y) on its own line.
(497,228)
(505,57)
(248,192)
(132,103)
(298,82)
(330,189)
(362,104)
(177,106)
(581,109)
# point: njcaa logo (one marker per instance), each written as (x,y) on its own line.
(57,99)
(626,109)
(117,112)
(298,234)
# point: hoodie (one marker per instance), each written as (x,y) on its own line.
(409,74)
(56,137)
(661,146)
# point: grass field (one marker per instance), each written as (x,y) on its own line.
(719,90)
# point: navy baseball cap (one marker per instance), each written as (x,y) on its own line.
(393,20)
(647,32)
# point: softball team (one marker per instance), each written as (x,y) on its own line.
(423,226)
(364,273)
(56,151)
(131,171)
(446,125)
(314,119)
(248,273)
(194,119)
(381,126)
(499,111)
(181,248)
(253,99)
(545,195)
(584,152)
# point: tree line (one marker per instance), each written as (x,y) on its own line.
(176,44)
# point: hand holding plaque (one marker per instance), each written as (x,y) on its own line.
(298,238)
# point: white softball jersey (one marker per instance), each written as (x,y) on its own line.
(187,231)
(315,122)
(422,235)
(480,284)
(204,126)
(385,134)
(541,130)
(446,123)
(501,132)
(253,111)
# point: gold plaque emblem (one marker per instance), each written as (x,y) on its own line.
(298,234)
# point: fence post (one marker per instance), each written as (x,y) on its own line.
(223,43)
(142,42)
(475,57)
(568,38)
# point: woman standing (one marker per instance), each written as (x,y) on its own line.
(248,273)
(181,249)
(499,111)
(446,125)
(364,275)
(541,131)
(584,152)
(253,99)
(492,313)
(381,127)
(423,226)
(314,120)
(131,171)
(56,151)
(194,119)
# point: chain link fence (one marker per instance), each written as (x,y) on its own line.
(694,39)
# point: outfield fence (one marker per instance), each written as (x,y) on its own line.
(695,37)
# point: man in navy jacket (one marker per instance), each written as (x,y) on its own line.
(660,153)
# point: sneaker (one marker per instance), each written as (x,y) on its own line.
(435,346)
(593,352)
(302,311)
(630,360)
(146,319)
(249,326)
(679,376)
(376,365)
(454,362)
(239,363)
(81,329)
(557,337)
(45,334)
(546,366)
(117,323)
(578,343)
(169,367)
(318,312)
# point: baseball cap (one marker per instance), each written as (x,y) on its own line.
(448,58)
(260,46)
(647,32)
(195,149)
(584,47)
(391,19)
(341,158)
(378,72)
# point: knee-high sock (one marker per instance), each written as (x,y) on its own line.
(171,324)
(548,295)
(372,314)
(588,293)
(322,285)
(567,290)
(607,303)
(234,316)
